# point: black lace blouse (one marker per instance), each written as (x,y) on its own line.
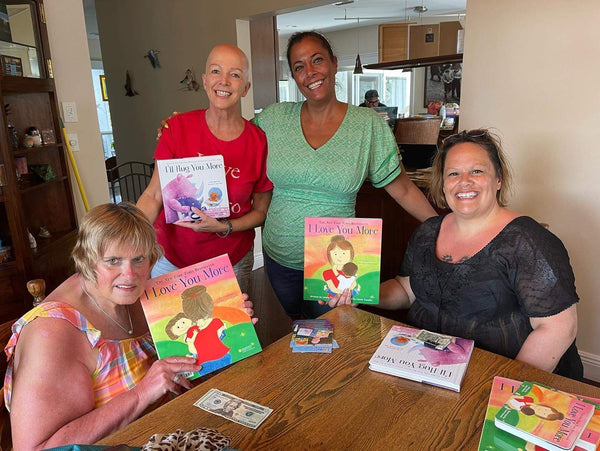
(523,272)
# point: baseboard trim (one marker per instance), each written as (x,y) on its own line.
(591,366)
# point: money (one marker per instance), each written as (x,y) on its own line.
(226,405)
(433,340)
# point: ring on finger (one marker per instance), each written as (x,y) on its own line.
(176,378)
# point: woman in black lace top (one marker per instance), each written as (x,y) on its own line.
(485,272)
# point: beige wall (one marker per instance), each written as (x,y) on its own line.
(531,70)
(73,76)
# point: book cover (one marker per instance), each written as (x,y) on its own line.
(342,253)
(400,354)
(545,417)
(493,438)
(312,335)
(197,311)
(193,182)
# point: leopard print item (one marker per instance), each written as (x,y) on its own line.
(202,439)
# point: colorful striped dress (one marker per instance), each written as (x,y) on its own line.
(121,363)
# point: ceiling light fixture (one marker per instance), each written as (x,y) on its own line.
(420,9)
(358,65)
(343,2)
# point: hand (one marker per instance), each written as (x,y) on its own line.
(205,223)
(163,124)
(160,379)
(345,298)
(248,307)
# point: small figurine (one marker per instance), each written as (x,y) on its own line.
(190,81)
(152,55)
(129,91)
(44,232)
(32,241)
(35,135)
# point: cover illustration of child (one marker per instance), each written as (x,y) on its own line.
(203,333)
(342,275)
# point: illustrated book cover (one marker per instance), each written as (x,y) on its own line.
(493,438)
(312,335)
(402,354)
(197,312)
(339,254)
(196,182)
(545,417)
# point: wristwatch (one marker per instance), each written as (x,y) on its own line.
(229,227)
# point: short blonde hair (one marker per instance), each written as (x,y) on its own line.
(122,224)
(488,141)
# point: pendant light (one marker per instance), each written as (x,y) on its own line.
(357,64)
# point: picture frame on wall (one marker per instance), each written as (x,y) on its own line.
(103,87)
(11,65)
(442,83)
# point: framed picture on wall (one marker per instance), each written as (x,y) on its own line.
(103,87)
(11,65)
(442,83)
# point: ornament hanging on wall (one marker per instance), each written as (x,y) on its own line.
(189,81)
(129,91)
(152,55)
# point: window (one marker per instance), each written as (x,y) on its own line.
(393,88)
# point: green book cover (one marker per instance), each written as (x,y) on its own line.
(342,253)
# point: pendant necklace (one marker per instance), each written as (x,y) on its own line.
(130,331)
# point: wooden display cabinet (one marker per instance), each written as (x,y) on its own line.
(29,201)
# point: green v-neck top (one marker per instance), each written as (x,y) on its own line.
(319,182)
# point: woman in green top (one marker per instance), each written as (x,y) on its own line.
(320,153)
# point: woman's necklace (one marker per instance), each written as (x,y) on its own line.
(130,331)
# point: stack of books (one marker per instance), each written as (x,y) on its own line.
(532,416)
(312,335)
(423,356)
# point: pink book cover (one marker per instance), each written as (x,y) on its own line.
(544,416)
(197,312)
(342,253)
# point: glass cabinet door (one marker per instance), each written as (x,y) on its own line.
(19,49)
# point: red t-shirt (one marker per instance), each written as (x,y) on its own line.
(245,158)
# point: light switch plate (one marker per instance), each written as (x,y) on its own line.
(73,141)
(70,112)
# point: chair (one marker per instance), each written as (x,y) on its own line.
(128,181)
(417,139)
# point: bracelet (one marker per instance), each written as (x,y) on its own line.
(229,227)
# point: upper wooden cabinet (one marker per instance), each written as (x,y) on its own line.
(393,42)
(405,41)
(35,189)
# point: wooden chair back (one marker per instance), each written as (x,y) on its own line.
(417,130)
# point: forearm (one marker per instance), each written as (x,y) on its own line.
(92,426)
(544,347)
(150,201)
(409,197)
(257,214)
(393,296)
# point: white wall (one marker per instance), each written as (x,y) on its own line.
(73,77)
(531,71)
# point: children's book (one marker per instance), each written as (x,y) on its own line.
(312,335)
(339,254)
(493,438)
(403,354)
(197,312)
(545,417)
(193,183)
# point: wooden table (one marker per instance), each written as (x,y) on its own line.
(334,402)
